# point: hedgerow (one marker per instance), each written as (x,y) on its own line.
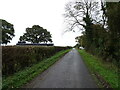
(16,58)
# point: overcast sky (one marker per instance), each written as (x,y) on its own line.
(46,13)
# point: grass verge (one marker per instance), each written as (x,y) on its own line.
(103,71)
(22,77)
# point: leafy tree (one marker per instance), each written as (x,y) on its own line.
(7,30)
(113,15)
(36,34)
(80,40)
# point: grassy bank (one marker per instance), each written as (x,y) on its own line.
(22,77)
(105,73)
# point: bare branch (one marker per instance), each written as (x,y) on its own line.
(77,10)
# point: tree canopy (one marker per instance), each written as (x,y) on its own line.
(7,30)
(36,34)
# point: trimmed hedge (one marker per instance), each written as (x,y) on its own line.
(16,58)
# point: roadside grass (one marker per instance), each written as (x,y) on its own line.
(108,71)
(22,77)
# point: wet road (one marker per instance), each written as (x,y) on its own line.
(69,72)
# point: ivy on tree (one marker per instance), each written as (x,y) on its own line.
(36,34)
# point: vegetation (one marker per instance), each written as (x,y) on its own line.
(7,31)
(22,77)
(80,41)
(101,37)
(16,58)
(113,15)
(36,34)
(106,72)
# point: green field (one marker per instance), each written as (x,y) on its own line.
(104,70)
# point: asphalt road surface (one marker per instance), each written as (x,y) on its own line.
(69,72)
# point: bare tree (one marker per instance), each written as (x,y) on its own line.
(78,11)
